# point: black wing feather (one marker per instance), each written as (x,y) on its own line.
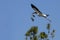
(35,8)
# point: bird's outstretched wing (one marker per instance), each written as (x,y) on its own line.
(35,8)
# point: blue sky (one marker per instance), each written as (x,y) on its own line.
(15,17)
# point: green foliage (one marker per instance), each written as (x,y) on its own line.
(43,35)
(33,31)
(27,34)
(35,38)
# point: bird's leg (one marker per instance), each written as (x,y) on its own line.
(32,18)
(34,13)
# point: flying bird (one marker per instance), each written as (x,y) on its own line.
(38,12)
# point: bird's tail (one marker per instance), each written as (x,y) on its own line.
(47,15)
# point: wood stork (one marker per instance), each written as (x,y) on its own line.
(38,12)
